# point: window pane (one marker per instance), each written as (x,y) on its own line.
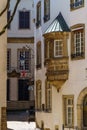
(78,41)
(24,20)
(68,110)
(24,60)
(58,48)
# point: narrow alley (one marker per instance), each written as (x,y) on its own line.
(19,121)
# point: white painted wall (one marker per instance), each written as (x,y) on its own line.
(77,80)
(15,31)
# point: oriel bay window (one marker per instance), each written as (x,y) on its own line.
(77,42)
(55,48)
(68,110)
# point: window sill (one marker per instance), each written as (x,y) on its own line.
(77,56)
(75,8)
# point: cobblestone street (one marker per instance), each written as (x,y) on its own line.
(19,121)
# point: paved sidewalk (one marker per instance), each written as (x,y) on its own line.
(18,120)
(18,125)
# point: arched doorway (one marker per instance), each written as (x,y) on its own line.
(82,110)
(85,111)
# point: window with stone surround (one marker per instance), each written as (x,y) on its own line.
(24,19)
(68,110)
(38,54)
(77,42)
(38,17)
(24,59)
(58,48)
(75,4)
(46,10)
(38,95)
(48,95)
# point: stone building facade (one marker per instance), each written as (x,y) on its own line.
(61,64)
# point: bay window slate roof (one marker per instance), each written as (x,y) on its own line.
(58,25)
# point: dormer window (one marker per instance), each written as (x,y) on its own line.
(75,4)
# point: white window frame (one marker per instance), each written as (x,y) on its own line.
(58,51)
(22,63)
(78,43)
(69,120)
